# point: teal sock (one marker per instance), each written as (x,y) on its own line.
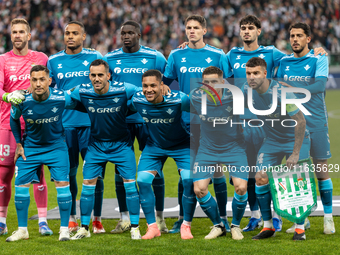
(86,203)
(238,206)
(189,197)
(264,198)
(220,187)
(326,194)
(64,202)
(209,207)
(22,202)
(146,196)
(132,201)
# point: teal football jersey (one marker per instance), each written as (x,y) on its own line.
(309,72)
(129,67)
(187,65)
(43,120)
(107,112)
(68,71)
(166,127)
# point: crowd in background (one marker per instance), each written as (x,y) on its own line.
(162,22)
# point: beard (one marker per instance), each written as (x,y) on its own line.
(256,84)
(298,50)
(249,41)
(21,46)
(73,48)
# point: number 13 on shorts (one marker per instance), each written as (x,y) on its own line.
(4,150)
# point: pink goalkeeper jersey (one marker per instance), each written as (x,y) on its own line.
(14,75)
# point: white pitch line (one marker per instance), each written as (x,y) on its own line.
(336,203)
(335,114)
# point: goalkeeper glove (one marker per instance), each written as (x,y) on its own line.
(15,97)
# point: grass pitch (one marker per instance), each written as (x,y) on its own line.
(316,243)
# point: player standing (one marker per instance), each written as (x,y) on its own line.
(235,64)
(163,117)
(304,69)
(44,143)
(15,69)
(187,65)
(281,141)
(110,141)
(69,68)
(128,64)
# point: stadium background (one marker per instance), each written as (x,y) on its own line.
(163,29)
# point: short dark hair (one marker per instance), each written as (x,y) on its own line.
(132,23)
(39,68)
(256,61)
(200,19)
(250,19)
(21,21)
(99,62)
(304,26)
(153,72)
(212,70)
(77,23)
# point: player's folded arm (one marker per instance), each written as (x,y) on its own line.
(131,90)
(131,108)
(185,106)
(74,102)
(319,85)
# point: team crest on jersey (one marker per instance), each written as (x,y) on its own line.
(115,100)
(30,112)
(118,62)
(170,111)
(144,61)
(86,63)
(183,60)
(144,111)
(287,68)
(307,67)
(262,56)
(60,66)
(90,101)
(208,60)
(54,109)
(238,57)
(229,109)
(12,68)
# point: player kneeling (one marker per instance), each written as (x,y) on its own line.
(44,144)
(291,142)
(219,144)
(163,117)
